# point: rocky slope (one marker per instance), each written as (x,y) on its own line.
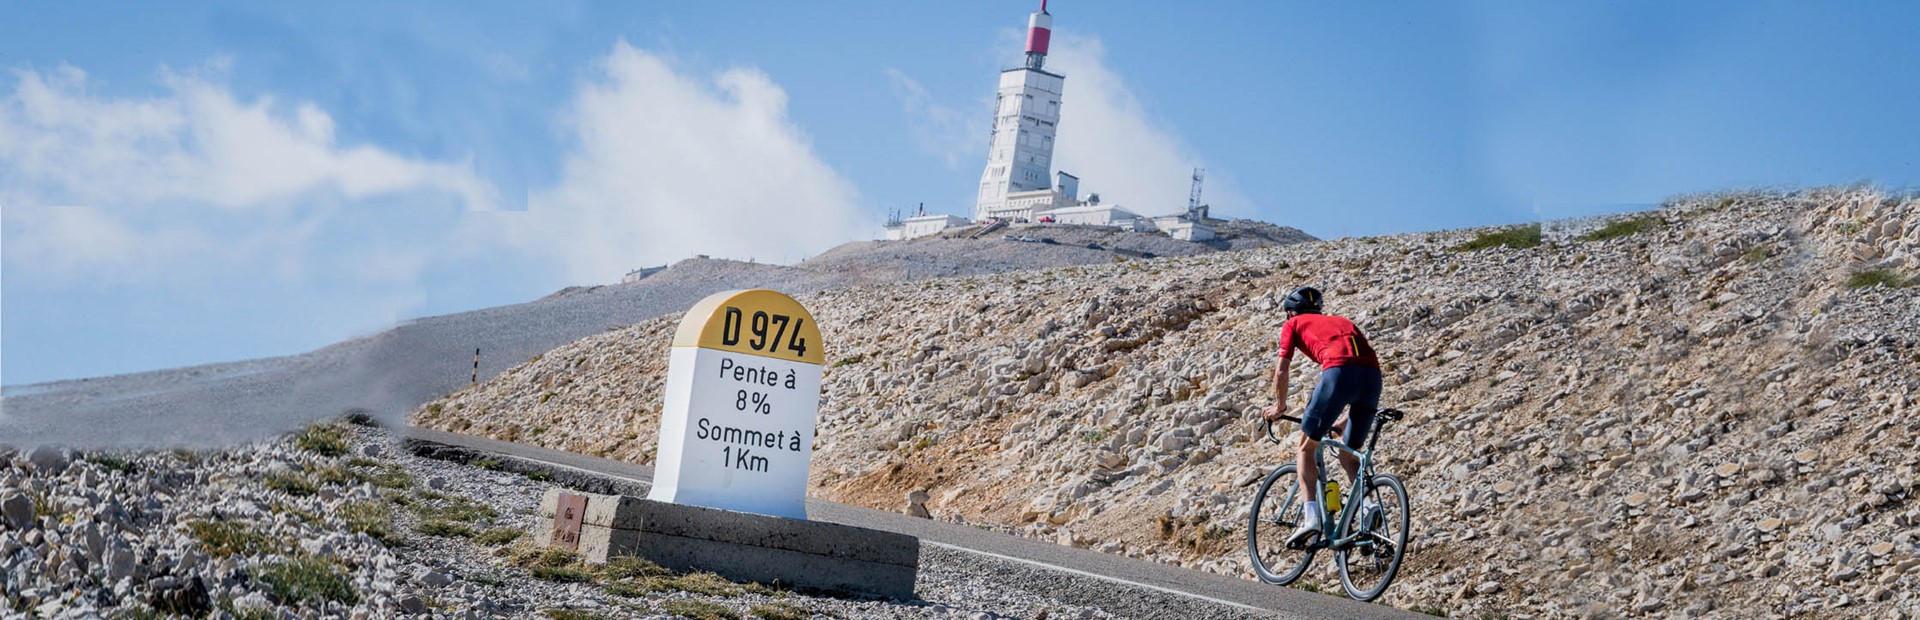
(1705,410)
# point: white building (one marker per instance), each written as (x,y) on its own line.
(1028,206)
(1026,115)
(922,225)
(1182,228)
(1096,215)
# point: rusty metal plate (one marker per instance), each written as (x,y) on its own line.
(566,521)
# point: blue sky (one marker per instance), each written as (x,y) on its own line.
(185,184)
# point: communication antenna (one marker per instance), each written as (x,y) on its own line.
(1193,198)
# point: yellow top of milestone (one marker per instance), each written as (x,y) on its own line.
(755,322)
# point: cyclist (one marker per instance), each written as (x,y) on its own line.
(1349,379)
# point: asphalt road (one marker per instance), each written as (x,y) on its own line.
(1120,585)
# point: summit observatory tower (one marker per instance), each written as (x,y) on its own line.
(1026,114)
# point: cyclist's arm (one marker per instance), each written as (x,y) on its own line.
(1280,385)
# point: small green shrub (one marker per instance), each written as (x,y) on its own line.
(571,614)
(113,463)
(779,611)
(322,439)
(304,515)
(445,529)
(1849,227)
(487,463)
(306,580)
(1879,277)
(382,475)
(335,476)
(552,557)
(225,538)
(497,536)
(561,574)
(629,589)
(702,583)
(391,477)
(1431,610)
(291,483)
(1518,237)
(1626,227)
(699,610)
(1755,255)
(452,508)
(373,518)
(630,567)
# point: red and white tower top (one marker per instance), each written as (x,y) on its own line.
(1039,33)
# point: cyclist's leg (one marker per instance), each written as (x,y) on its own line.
(1361,387)
(1315,421)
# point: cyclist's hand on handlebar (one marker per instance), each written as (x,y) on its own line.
(1272,412)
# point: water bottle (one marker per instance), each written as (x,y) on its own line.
(1333,496)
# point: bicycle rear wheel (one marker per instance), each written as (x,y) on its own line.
(1275,514)
(1369,564)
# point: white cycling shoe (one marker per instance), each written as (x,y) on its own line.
(1305,534)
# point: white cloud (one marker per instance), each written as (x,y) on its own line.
(955,136)
(181,184)
(83,239)
(666,165)
(1109,140)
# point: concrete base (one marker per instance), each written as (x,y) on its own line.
(743,546)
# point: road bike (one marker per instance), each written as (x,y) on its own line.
(1369,538)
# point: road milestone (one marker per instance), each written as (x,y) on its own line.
(742,397)
(730,478)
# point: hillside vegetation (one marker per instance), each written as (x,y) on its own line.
(1706,412)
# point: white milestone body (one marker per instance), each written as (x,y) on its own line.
(737,432)
(743,395)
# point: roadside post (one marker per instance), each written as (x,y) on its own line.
(742,399)
(729,490)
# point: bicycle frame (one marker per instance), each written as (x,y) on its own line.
(1333,537)
(1355,495)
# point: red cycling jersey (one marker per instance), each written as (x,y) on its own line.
(1328,340)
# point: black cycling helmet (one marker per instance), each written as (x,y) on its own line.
(1303,300)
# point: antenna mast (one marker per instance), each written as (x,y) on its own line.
(1193,199)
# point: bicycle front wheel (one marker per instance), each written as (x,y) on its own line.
(1369,564)
(1275,514)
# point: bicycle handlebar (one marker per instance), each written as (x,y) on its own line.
(1274,438)
(1383,416)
